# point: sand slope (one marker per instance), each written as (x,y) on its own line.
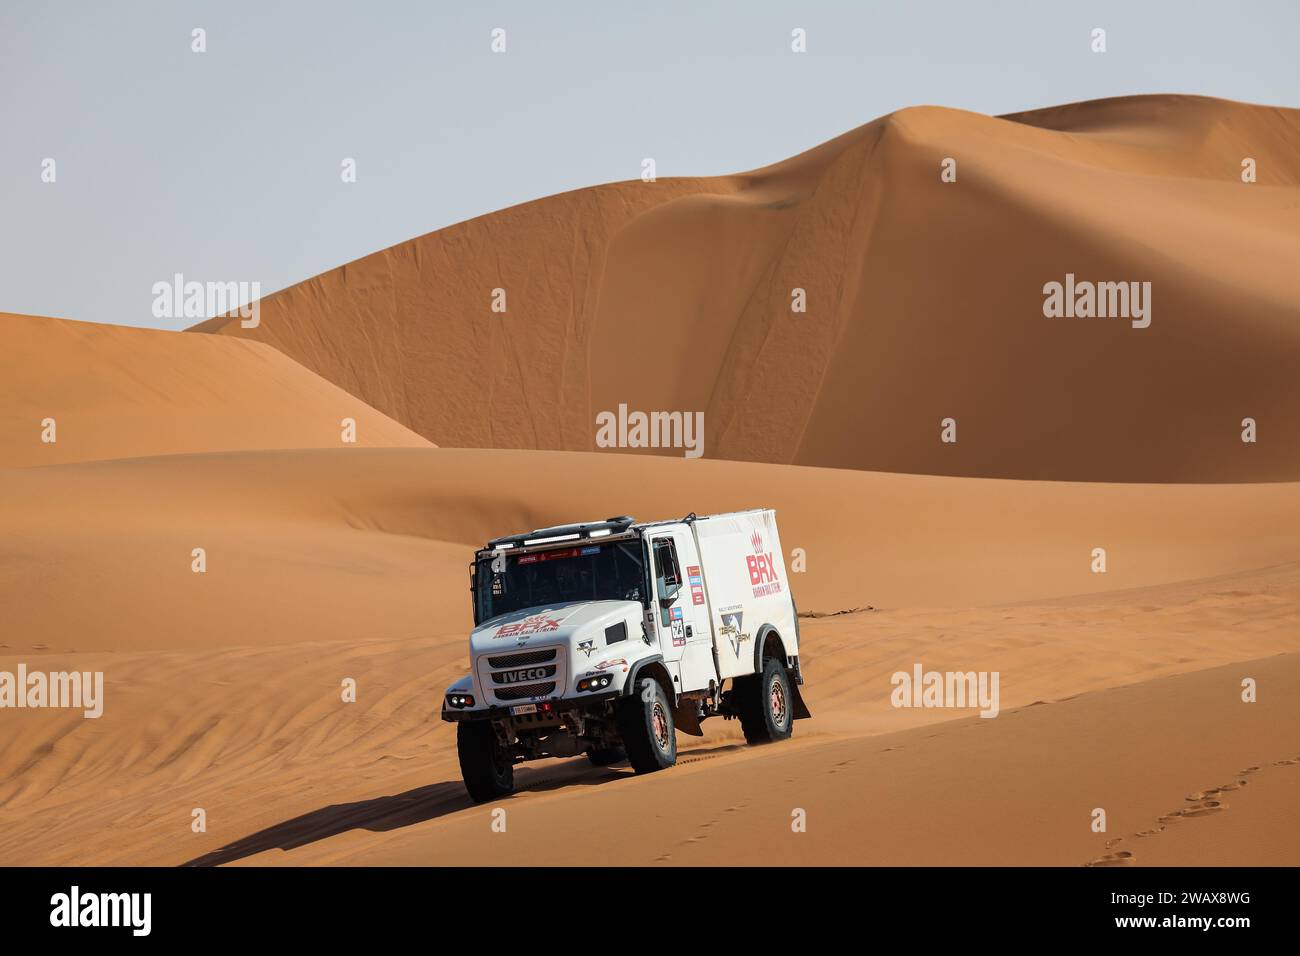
(1016,790)
(223,689)
(118,392)
(350,544)
(924,302)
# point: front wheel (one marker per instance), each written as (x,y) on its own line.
(765,704)
(645,722)
(487,770)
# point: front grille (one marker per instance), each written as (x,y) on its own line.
(515,676)
(524,690)
(523,660)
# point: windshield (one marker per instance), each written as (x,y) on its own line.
(588,572)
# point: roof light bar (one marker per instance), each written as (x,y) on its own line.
(588,529)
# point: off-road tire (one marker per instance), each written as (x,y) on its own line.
(606,756)
(647,729)
(765,704)
(488,772)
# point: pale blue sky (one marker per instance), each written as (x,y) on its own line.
(224,166)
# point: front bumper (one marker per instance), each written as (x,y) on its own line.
(565,705)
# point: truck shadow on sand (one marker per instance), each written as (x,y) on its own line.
(382,814)
(379,814)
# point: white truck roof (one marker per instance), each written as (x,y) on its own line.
(609,527)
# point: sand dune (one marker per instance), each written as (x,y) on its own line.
(223,689)
(327,562)
(924,302)
(1019,790)
(349,544)
(116,392)
(258,738)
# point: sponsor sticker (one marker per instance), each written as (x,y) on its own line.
(696,581)
(542,623)
(762,569)
(537,556)
(678,626)
(733,626)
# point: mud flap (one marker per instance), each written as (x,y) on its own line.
(800,708)
(685,717)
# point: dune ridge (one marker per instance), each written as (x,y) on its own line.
(924,301)
(344,544)
(118,392)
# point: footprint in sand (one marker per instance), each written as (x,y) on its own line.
(1249,770)
(1152,832)
(1285,763)
(1203,807)
(1235,785)
(1201,794)
(1119,858)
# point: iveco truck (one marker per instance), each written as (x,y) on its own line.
(609,637)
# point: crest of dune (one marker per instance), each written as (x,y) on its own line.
(924,301)
(109,391)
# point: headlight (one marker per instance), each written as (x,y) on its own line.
(460,701)
(594,683)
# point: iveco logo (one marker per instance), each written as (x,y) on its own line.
(524,674)
(531,673)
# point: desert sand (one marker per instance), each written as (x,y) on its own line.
(116,392)
(924,301)
(223,688)
(328,561)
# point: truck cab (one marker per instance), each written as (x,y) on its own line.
(603,639)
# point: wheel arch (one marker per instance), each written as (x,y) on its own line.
(768,644)
(650,666)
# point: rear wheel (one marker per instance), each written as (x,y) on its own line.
(486,768)
(606,756)
(645,721)
(764,703)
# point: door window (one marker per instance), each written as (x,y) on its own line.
(666,562)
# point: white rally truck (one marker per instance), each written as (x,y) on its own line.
(606,638)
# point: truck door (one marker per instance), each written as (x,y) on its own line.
(681,620)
